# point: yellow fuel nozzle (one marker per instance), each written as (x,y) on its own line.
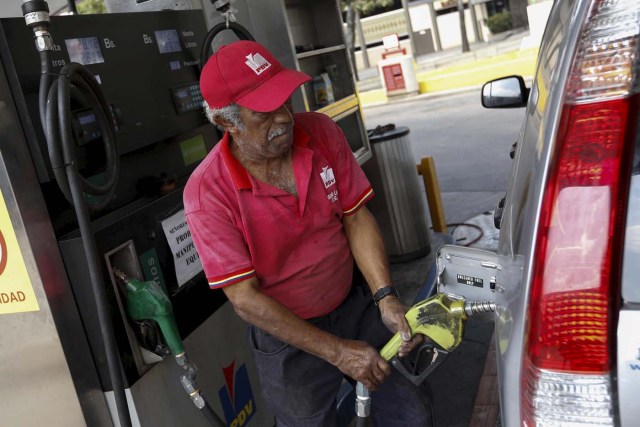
(441,318)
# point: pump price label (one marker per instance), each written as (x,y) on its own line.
(16,291)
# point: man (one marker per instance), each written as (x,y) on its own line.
(277,214)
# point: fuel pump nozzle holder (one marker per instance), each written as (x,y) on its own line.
(147,300)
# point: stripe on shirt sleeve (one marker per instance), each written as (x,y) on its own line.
(364,198)
(231,278)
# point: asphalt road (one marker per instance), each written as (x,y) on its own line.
(469,143)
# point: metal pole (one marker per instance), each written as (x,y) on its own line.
(363,42)
(350,38)
(463,27)
(474,18)
(407,18)
(434,27)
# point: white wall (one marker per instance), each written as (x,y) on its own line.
(420,17)
(449,27)
(537,14)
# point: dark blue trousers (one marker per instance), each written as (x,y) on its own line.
(301,389)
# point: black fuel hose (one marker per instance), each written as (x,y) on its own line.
(55,100)
(55,108)
(240,32)
(71,4)
(190,386)
(210,415)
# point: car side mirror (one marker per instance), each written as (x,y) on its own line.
(505,92)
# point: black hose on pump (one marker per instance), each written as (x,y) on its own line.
(71,4)
(55,94)
(240,32)
(76,81)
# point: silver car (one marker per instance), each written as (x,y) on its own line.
(566,277)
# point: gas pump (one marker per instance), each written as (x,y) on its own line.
(130,128)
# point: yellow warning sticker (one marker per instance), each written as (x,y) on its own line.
(16,291)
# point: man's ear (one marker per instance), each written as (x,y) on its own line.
(224,124)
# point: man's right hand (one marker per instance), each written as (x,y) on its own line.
(363,363)
(357,359)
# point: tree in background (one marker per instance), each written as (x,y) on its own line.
(518,9)
(361,7)
(91,6)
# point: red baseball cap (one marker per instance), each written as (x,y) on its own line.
(245,73)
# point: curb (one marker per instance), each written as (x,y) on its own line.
(422,96)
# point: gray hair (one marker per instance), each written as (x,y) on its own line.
(231,113)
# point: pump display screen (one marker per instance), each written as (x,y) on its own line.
(168,41)
(84,51)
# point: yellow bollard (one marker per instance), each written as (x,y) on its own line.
(427,168)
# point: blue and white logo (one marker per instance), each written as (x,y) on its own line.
(236,396)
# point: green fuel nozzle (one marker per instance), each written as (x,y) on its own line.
(147,300)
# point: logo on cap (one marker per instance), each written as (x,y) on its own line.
(257,63)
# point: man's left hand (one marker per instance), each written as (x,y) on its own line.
(392,311)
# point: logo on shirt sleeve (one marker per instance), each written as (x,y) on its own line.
(327,176)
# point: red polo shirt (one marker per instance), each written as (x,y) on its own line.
(296,246)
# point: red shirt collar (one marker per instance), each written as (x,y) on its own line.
(238,173)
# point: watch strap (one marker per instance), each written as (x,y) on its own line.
(383,292)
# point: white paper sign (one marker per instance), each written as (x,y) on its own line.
(185,256)
(391,41)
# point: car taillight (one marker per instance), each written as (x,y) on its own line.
(569,338)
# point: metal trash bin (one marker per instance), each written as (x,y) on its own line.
(398,205)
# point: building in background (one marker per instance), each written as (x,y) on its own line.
(435,26)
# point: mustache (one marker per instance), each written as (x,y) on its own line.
(280,131)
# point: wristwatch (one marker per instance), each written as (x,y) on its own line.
(383,292)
